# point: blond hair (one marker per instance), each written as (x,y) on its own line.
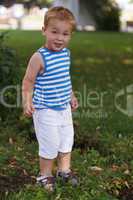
(60,13)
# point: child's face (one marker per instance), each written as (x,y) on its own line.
(58,34)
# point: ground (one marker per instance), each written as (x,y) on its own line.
(102,65)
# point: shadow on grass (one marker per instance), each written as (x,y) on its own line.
(9,184)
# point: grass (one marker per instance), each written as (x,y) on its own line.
(102,65)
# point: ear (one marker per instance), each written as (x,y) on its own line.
(43,30)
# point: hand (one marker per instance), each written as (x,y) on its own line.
(74,103)
(28,109)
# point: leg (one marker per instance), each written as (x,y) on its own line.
(46,166)
(64,155)
(64,161)
(45,178)
(48,140)
(64,171)
(65,148)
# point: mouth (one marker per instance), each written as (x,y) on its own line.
(58,45)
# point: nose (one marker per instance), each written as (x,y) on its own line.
(60,37)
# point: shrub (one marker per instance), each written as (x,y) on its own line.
(9,76)
(109,21)
(106,14)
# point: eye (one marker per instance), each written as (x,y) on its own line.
(66,34)
(54,31)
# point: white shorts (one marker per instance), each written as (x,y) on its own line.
(54,131)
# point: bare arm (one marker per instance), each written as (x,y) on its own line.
(35,66)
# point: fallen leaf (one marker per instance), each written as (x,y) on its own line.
(115,168)
(95,168)
(126,183)
(25,172)
(11,141)
(127,172)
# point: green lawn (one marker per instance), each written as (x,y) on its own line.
(102,65)
(102,68)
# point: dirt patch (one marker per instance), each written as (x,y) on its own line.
(10,184)
(15,183)
(126,194)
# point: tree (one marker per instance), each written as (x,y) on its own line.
(35,2)
(105,12)
(27,3)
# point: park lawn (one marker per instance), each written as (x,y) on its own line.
(102,65)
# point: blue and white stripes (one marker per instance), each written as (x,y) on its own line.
(53,87)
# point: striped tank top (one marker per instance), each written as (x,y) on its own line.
(53,88)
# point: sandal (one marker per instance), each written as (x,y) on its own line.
(68,177)
(48,182)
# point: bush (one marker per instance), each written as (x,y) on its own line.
(9,76)
(109,21)
(106,14)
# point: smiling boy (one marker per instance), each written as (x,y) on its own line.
(47,96)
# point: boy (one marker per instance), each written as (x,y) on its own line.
(47,95)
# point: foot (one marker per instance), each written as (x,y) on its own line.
(68,177)
(48,182)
